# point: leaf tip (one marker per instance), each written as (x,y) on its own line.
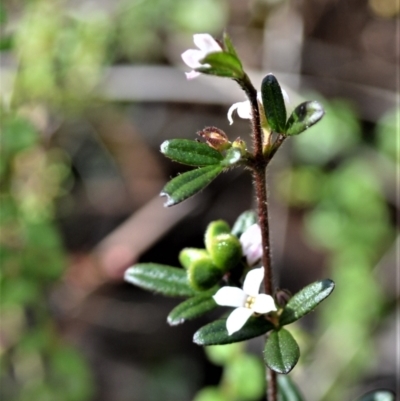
(164,147)
(169,201)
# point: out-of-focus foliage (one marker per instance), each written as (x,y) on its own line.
(143,27)
(35,362)
(59,53)
(347,215)
(242,378)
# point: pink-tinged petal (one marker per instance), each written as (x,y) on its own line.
(230,296)
(244,110)
(263,303)
(251,242)
(192,58)
(254,254)
(237,319)
(206,43)
(252,282)
(192,74)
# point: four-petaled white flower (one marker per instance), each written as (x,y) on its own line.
(246,301)
(206,44)
(244,108)
(251,242)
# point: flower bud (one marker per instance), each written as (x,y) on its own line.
(225,251)
(240,144)
(188,255)
(282,297)
(203,274)
(213,229)
(215,138)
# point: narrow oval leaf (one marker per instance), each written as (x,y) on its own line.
(306,300)
(215,333)
(304,116)
(378,395)
(187,184)
(166,280)
(274,105)
(222,64)
(288,391)
(281,351)
(190,152)
(193,307)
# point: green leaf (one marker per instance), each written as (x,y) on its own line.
(232,156)
(288,391)
(187,184)
(243,222)
(304,116)
(274,105)
(281,351)
(190,152)
(228,45)
(215,333)
(306,300)
(378,395)
(222,64)
(166,280)
(193,307)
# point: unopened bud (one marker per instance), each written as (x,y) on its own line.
(215,138)
(240,144)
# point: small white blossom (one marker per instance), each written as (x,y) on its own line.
(251,242)
(206,44)
(246,301)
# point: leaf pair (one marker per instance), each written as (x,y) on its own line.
(193,153)
(304,115)
(172,281)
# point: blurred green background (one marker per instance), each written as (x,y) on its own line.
(89,90)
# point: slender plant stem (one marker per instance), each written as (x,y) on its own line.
(259,177)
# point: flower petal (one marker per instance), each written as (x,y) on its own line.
(230,296)
(263,303)
(251,242)
(192,74)
(244,110)
(206,43)
(237,319)
(230,112)
(285,96)
(252,282)
(192,58)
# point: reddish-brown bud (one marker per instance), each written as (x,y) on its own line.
(215,138)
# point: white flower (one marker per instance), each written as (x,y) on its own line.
(252,244)
(246,301)
(244,108)
(207,44)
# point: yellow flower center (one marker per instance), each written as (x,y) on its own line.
(249,302)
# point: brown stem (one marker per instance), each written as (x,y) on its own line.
(259,175)
(272,391)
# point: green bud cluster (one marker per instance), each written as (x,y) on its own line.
(205,267)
